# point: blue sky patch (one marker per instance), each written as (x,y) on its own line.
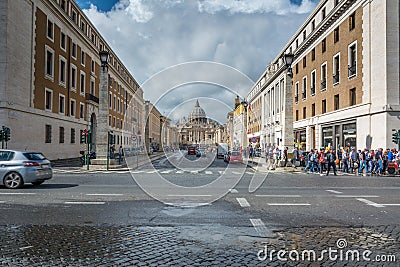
(102,5)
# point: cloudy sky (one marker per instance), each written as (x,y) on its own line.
(150,36)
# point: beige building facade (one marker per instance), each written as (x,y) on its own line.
(49,79)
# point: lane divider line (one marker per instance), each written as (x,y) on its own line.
(104,194)
(288,204)
(334,191)
(370,203)
(17,193)
(84,202)
(278,196)
(350,196)
(189,195)
(243,202)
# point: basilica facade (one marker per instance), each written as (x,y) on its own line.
(197,128)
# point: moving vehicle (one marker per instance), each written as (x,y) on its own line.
(191,150)
(234,157)
(200,153)
(20,167)
(222,150)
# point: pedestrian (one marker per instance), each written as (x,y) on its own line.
(285,158)
(322,160)
(345,160)
(295,156)
(331,158)
(379,159)
(112,151)
(363,162)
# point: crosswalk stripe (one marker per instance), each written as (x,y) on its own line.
(243,202)
(208,172)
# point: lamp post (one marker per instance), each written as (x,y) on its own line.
(244,143)
(288,60)
(288,123)
(102,123)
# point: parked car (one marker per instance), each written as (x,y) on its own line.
(191,150)
(233,157)
(20,167)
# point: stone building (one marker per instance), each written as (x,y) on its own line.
(346,75)
(49,79)
(197,129)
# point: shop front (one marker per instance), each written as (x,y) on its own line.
(339,135)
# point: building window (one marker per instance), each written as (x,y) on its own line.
(297,68)
(49,63)
(72,108)
(61,104)
(297,43)
(83,26)
(74,50)
(297,115)
(110,100)
(50,30)
(63,41)
(82,83)
(93,38)
(313,25)
(115,103)
(313,110)
(336,102)
(323,12)
(61,135)
(62,71)
(353,100)
(313,81)
(72,136)
(352,21)
(109,120)
(336,69)
(304,112)
(92,86)
(48,105)
(323,106)
(313,54)
(73,78)
(304,62)
(118,105)
(296,93)
(80,134)
(352,60)
(323,77)
(336,35)
(324,45)
(83,58)
(47,135)
(73,16)
(304,91)
(92,66)
(304,35)
(81,111)
(63,4)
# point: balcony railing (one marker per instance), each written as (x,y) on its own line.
(336,78)
(313,90)
(90,97)
(352,70)
(323,85)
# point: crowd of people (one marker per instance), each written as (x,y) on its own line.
(348,160)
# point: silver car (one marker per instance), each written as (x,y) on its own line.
(19,167)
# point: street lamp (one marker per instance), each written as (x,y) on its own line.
(104,55)
(288,60)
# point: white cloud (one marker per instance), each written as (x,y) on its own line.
(255,6)
(155,34)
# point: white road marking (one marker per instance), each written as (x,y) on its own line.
(208,172)
(152,171)
(278,196)
(251,173)
(15,193)
(370,203)
(394,205)
(233,191)
(243,202)
(353,196)
(221,172)
(84,203)
(22,248)
(194,172)
(259,226)
(168,171)
(235,172)
(104,194)
(180,172)
(136,171)
(189,195)
(288,204)
(2,202)
(334,191)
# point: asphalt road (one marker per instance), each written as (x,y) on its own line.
(225,224)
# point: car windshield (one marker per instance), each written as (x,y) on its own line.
(34,156)
(235,153)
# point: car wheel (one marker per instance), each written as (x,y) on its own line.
(13,180)
(38,182)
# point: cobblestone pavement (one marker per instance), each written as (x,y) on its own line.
(105,245)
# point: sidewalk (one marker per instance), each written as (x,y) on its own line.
(260,164)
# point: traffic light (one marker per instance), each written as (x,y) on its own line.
(7,134)
(2,136)
(83,137)
(396,137)
(89,137)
